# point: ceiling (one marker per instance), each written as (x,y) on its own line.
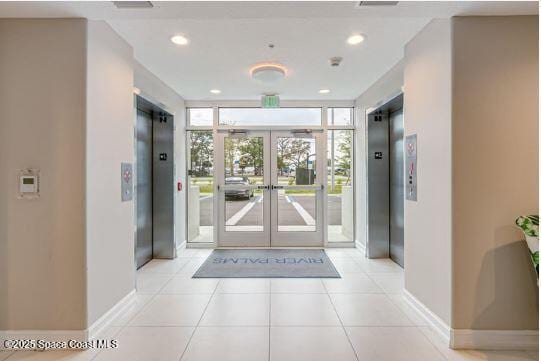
(226,38)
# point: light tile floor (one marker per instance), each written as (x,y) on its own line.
(360,317)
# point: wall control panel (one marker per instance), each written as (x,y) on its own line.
(126,182)
(411,167)
(29,183)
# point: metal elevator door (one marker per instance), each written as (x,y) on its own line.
(143,252)
(396,186)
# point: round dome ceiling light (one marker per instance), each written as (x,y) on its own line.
(179,40)
(215,91)
(268,72)
(355,39)
(324,91)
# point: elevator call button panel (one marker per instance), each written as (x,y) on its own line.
(126,182)
(411,167)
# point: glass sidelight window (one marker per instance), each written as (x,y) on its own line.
(340,210)
(200,186)
(200,117)
(340,116)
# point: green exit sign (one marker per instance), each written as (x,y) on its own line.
(270,101)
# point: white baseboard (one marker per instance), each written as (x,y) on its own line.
(181,246)
(105,320)
(495,339)
(437,324)
(475,339)
(361,247)
(66,335)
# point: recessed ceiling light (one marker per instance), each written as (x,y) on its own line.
(355,39)
(179,40)
(324,91)
(215,91)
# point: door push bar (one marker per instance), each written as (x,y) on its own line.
(222,187)
(283,187)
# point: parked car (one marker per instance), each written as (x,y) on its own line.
(238,193)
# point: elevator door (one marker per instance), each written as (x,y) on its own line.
(396,186)
(143,252)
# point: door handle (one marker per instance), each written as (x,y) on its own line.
(263,187)
(277,187)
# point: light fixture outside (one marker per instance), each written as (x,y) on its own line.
(324,91)
(268,72)
(215,91)
(179,40)
(355,39)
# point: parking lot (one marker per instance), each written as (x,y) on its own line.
(293,210)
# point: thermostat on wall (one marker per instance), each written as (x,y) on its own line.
(29,183)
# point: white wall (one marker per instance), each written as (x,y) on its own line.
(109,142)
(42,125)
(155,90)
(385,88)
(427,113)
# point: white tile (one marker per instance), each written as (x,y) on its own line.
(413,315)
(473,355)
(339,252)
(237,310)
(302,310)
(351,283)
(347,265)
(192,266)
(392,344)
(383,265)
(310,343)
(139,301)
(297,285)
(359,309)
(184,284)
(164,266)
(391,283)
(172,310)
(151,283)
(202,252)
(187,252)
(83,355)
(243,285)
(228,344)
(149,343)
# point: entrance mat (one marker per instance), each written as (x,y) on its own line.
(267,263)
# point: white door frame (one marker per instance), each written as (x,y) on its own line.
(269,236)
(217,128)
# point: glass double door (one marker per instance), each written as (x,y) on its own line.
(270,188)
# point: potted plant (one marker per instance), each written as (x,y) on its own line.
(530,226)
